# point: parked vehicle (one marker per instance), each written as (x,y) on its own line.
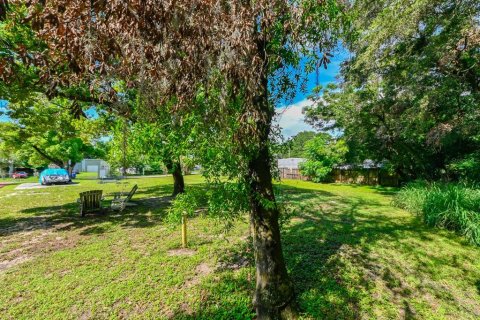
(20,175)
(52,176)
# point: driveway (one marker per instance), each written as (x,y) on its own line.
(26,186)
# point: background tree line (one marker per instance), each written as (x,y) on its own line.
(410,91)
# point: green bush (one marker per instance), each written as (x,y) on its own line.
(323,152)
(224,201)
(453,206)
(467,168)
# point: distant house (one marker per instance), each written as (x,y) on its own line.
(101,167)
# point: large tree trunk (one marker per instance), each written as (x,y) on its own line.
(175,168)
(274,295)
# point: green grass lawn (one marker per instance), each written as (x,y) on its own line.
(351,254)
(18,181)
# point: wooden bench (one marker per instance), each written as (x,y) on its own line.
(119,203)
(90,201)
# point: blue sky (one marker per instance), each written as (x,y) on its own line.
(3,107)
(290,116)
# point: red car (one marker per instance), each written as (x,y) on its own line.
(20,175)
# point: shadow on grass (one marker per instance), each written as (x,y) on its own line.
(331,237)
(326,248)
(328,237)
(147,212)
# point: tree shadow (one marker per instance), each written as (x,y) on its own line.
(332,235)
(146,213)
(327,251)
(150,209)
(329,236)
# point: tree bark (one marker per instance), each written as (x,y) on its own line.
(178,182)
(175,168)
(70,168)
(274,294)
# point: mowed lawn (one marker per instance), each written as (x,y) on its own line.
(351,254)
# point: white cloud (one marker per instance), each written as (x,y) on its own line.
(291,119)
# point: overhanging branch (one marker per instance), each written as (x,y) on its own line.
(49,158)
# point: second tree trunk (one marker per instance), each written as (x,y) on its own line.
(175,168)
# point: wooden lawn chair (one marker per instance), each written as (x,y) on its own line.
(119,202)
(90,201)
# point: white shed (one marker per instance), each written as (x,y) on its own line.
(101,167)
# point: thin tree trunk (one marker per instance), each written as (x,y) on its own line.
(175,168)
(70,168)
(178,182)
(124,149)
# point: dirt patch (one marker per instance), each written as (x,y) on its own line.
(26,186)
(7,264)
(237,259)
(27,245)
(24,227)
(181,252)
(236,263)
(186,309)
(203,269)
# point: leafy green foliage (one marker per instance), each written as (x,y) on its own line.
(121,151)
(223,201)
(450,206)
(19,48)
(43,131)
(467,168)
(411,88)
(323,152)
(295,146)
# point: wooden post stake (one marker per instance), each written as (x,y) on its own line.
(184,231)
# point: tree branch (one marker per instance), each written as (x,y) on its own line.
(49,158)
(3,9)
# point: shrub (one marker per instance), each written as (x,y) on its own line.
(223,201)
(323,152)
(467,168)
(453,206)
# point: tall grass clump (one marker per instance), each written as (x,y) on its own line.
(453,206)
